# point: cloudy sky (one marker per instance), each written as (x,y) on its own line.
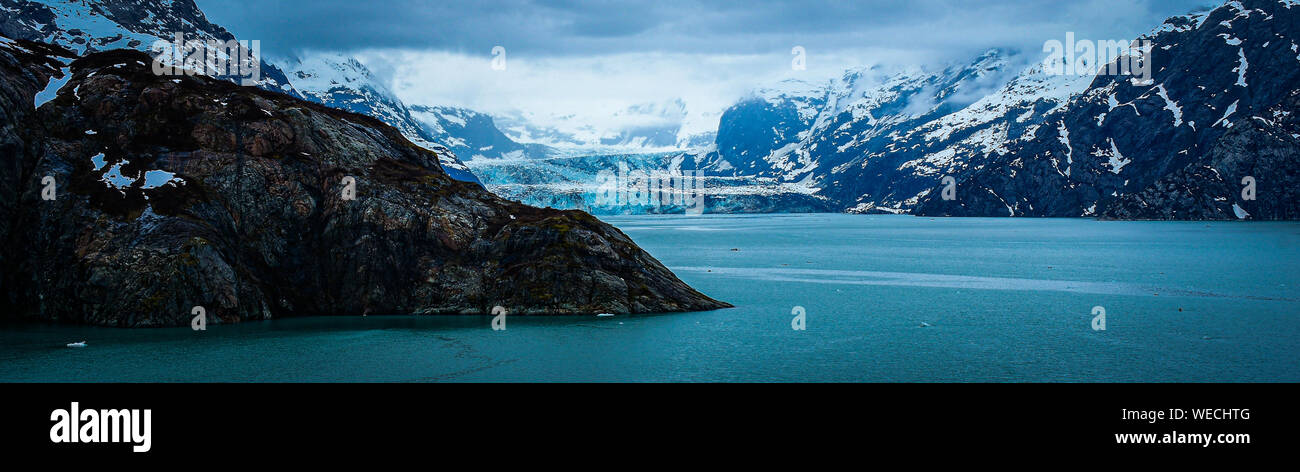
(593,58)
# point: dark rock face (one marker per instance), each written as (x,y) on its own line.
(1209,188)
(176,192)
(24,70)
(1221,107)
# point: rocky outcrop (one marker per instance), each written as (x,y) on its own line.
(176,192)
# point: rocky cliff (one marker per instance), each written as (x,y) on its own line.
(175,192)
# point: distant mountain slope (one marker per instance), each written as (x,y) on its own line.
(342,82)
(1221,109)
(755,131)
(894,162)
(876,142)
(470,134)
(100,25)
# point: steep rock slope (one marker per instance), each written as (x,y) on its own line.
(1221,108)
(343,82)
(894,162)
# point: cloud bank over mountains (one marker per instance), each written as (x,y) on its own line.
(579,67)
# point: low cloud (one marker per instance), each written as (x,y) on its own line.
(589,60)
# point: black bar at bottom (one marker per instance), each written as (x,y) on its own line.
(328,420)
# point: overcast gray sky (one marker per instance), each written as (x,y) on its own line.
(566,28)
(595,57)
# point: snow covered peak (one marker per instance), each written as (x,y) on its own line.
(85,26)
(470,134)
(793,89)
(341,81)
(320,72)
(101,25)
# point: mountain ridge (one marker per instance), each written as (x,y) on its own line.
(1171,149)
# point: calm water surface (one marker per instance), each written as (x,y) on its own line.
(1004,300)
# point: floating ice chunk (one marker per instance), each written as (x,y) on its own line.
(97,160)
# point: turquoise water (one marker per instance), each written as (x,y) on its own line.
(1005,300)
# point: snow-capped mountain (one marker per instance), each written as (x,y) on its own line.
(868,141)
(876,140)
(769,122)
(1214,127)
(343,82)
(1018,138)
(100,25)
(472,135)
(882,160)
